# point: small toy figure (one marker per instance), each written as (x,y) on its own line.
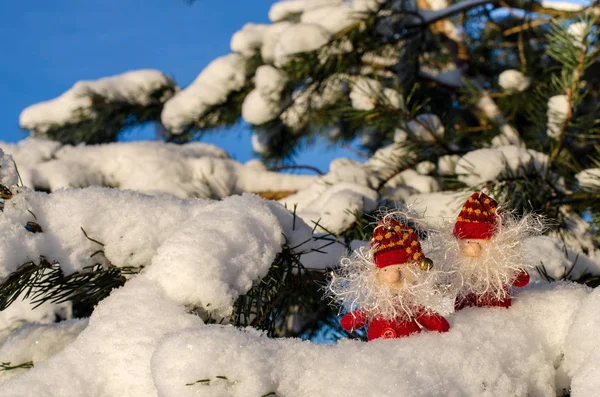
(389,287)
(487,252)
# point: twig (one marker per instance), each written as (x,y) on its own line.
(296,166)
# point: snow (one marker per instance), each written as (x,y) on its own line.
(334,200)
(37,342)
(23,311)
(271,39)
(488,107)
(437,4)
(425,167)
(581,359)
(367,93)
(426,127)
(284,9)
(258,109)
(491,352)
(249,39)
(134,87)
(8,170)
(482,165)
(188,247)
(513,81)
(299,38)
(562,6)
(447,164)
(558,110)
(438,205)
(263,103)
(190,170)
(366,5)
(557,259)
(332,18)
(202,254)
(589,178)
(28,152)
(312,97)
(269,80)
(449,77)
(578,31)
(213,86)
(232,254)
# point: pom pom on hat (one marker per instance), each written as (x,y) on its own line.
(478,218)
(394,244)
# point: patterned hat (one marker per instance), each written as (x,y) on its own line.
(394,244)
(478,218)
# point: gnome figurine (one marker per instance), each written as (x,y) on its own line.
(488,253)
(387,286)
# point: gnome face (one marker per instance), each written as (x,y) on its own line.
(473,248)
(395,275)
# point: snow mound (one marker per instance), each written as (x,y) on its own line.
(37,342)
(189,170)
(201,255)
(138,87)
(212,87)
(336,199)
(188,246)
(479,166)
(488,352)
(557,260)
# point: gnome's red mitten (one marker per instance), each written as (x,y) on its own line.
(522,279)
(433,322)
(353,320)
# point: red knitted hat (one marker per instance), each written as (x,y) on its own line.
(477,219)
(394,244)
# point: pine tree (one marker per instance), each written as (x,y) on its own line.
(436,88)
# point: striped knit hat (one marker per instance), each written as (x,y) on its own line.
(394,244)
(478,218)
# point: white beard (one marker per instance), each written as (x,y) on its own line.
(499,264)
(354,285)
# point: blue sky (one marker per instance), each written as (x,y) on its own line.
(46,46)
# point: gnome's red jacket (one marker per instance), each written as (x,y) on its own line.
(383,328)
(490,300)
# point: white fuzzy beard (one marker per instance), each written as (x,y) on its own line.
(354,285)
(498,266)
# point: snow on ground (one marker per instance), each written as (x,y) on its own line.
(137,87)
